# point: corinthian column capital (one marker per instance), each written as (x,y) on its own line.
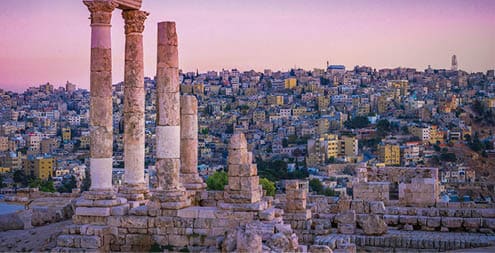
(101,11)
(134,20)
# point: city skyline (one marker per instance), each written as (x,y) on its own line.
(221,34)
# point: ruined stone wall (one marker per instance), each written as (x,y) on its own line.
(420,192)
(372,191)
(447,216)
(400,174)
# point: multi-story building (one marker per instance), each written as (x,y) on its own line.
(423,133)
(33,143)
(389,154)
(4,143)
(290,83)
(48,145)
(39,166)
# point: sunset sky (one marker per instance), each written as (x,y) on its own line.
(48,40)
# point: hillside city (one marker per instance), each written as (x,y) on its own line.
(316,124)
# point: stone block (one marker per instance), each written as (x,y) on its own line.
(347,217)
(295,205)
(119,210)
(489,223)
(472,223)
(178,240)
(93,211)
(139,211)
(373,225)
(357,206)
(238,141)
(142,240)
(268,214)
(423,221)
(91,242)
(207,212)
(407,219)
(249,183)
(452,222)
(134,221)
(377,207)
(238,156)
(84,202)
(243,170)
(189,212)
(346,228)
(291,184)
(434,222)
(319,249)
(65,241)
(487,212)
(234,183)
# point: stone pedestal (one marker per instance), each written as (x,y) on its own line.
(134,188)
(243,191)
(170,192)
(189,144)
(295,212)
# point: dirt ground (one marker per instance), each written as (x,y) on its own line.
(36,239)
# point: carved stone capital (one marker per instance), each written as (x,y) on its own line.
(134,20)
(101,10)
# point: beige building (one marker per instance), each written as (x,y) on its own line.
(389,154)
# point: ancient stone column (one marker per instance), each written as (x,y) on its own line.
(134,96)
(189,144)
(168,119)
(101,96)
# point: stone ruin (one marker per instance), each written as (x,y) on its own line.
(398,185)
(180,214)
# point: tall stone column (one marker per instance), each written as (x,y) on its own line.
(134,96)
(189,144)
(169,191)
(101,129)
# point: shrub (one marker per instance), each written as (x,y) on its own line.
(268,186)
(217,181)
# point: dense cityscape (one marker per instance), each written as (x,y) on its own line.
(316,122)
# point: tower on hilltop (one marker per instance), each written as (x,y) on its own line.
(454,62)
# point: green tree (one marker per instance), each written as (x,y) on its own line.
(329,192)
(217,181)
(268,186)
(383,127)
(68,184)
(357,122)
(315,185)
(47,186)
(285,142)
(21,178)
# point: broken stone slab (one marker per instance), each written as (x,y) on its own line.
(373,225)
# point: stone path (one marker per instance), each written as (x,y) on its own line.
(399,239)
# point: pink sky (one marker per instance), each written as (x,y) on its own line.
(48,40)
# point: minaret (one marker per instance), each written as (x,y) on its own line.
(454,62)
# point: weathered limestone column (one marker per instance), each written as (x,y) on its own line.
(101,97)
(170,191)
(101,201)
(189,144)
(134,95)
